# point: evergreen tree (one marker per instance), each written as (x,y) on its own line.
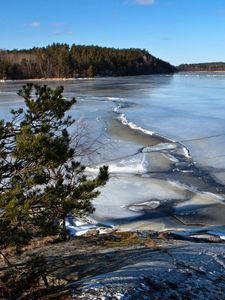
(61,61)
(40,180)
(90,72)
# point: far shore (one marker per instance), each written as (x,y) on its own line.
(196,71)
(92,78)
(47,79)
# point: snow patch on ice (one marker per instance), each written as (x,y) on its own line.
(159,147)
(132,125)
(137,164)
(77,227)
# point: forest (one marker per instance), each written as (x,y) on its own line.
(202,67)
(64,61)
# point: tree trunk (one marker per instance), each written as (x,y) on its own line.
(45,281)
(63,232)
(6,260)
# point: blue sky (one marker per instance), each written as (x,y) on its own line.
(178,31)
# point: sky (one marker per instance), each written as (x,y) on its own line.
(178,31)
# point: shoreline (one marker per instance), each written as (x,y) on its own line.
(97,77)
(134,265)
(45,79)
(188,71)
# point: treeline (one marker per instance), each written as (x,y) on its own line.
(63,61)
(202,67)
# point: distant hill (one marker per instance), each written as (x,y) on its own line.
(63,61)
(207,67)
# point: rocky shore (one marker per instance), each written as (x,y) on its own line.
(135,265)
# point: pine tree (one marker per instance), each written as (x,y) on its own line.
(90,72)
(41,182)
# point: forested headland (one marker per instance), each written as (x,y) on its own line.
(202,67)
(63,61)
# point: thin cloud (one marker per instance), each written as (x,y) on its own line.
(58,24)
(62,32)
(145,2)
(34,24)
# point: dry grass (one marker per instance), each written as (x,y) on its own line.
(34,244)
(108,240)
(150,243)
(126,239)
(164,235)
(40,242)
